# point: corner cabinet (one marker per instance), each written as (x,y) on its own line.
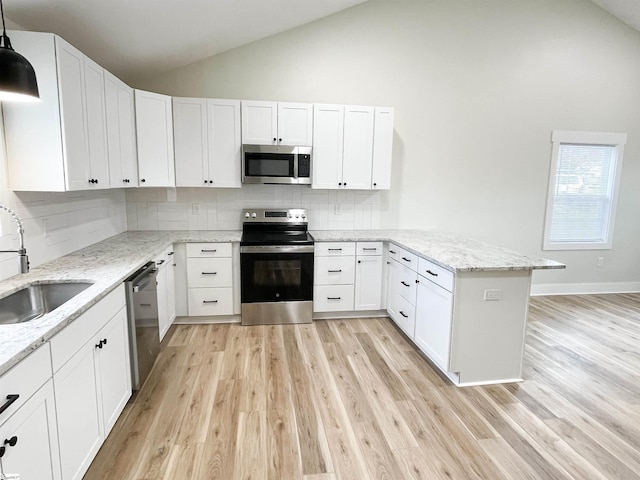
(276,123)
(207,142)
(352,147)
(154,129)
(69,122)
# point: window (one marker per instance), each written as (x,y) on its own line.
(583,189)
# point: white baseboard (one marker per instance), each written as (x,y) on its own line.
(584,288)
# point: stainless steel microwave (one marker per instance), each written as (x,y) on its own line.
(284,164)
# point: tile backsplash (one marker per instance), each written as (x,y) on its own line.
(219,209)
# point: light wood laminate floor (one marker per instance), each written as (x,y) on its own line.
(352,399)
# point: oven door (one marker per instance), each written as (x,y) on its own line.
(276,273)
(262,166)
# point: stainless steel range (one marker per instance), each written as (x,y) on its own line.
(276,267)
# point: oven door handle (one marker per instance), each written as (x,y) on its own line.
(277,249)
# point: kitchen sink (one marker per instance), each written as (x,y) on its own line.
(34,301)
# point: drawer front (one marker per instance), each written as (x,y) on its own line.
(210,301)
(406,284)
(404,257)
(369,248)
(209,272)
(324,249)
(405,315)
(333,298)
(209,250)
(25,379)
(334,270)
(66,343)
(165,258)
(435,273)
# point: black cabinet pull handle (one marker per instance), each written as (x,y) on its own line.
(334,298)
(406,259)
(208,251)
(210,301)
(10,399)
(432,273)
(170,253)
(11,441)
(369,249)
(417,281)
(334,271)
(392,252)
(335,249)
(2,450)
(160,262)
(104,341)
(99,345)
(405,284)
(209,273)
(402,313)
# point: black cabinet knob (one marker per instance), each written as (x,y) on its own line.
(206,181)
(375,184)
(339,183)
(142,180)
(280,140)
(274,139)
(11,441)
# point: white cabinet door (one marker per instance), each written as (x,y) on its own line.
(295,122)
(35,454)
(154,128)
(190,137)
(259,122)
(328,138)
(382,148)
(79,413)
(358,147)
(163,303)
(368,286)
(113,369)
(96,124)
(433,322)
(74,128)
(224,143)
(121,144)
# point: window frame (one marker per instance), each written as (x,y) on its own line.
(561,137)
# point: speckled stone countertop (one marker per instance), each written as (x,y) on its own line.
(106,264)
(453,252)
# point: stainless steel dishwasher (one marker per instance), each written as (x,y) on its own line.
(144,331)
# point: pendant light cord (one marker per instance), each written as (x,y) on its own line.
(4,40)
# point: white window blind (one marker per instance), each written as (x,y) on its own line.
(583,190)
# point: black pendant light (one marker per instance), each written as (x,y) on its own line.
(17,77)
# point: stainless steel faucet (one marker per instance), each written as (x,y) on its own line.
(24,259)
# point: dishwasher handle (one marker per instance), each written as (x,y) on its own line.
(150,276)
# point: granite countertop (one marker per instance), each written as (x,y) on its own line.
(453,252)
(108,263)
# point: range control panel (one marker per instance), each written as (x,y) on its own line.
(286,215)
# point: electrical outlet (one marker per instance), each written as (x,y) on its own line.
(195,209)
(337,210)
(600,262)
(492,295)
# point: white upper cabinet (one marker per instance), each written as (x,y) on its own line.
(207,142)
(343,147)
(328,136)
(358,147)
(154,129)
(273,123)
(382,148)
(121,132)
(69,122)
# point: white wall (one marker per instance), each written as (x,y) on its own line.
(478,87)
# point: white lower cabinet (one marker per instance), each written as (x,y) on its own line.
(334,277)
(368,284)
(401,289)
(210,279)
(433,321)
(166,291)
(92,380)
(28,423)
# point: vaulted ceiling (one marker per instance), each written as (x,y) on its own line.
(134,38)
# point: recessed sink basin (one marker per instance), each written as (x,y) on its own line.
(35,301)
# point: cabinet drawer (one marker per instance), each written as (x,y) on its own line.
(334,248)
(24,379)
(208,250)
(406,284)
(210,301)
(209,272)
(333,298)
(405,315)
(369,248)
(404,257)
(165,257)
(66,343)
(435,273)
(334,270)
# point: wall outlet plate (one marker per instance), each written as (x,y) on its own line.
(492,295)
